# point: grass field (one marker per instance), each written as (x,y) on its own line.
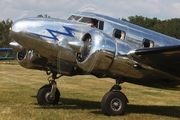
(80,98)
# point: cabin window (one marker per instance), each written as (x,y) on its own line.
(119,34)
(148,43)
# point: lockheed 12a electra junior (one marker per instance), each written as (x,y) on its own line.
(98,45)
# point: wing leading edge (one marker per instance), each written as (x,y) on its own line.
(166,59)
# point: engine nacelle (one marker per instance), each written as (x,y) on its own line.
(29,59)
(98,51)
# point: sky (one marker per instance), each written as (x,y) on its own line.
(161,9)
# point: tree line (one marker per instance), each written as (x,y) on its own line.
(169,27)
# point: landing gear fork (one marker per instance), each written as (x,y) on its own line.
(53,84)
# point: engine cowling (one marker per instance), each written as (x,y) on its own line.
(29,59)
(97,53)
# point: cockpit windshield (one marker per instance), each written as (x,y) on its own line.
(73,17)
(81,19)
(91,21)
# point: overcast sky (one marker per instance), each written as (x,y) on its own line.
(162,9)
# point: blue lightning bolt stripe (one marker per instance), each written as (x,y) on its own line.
(68,30)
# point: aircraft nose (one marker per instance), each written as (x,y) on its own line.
(17,26)
(21,32)
(25,24)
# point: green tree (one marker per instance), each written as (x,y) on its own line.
(45,15)
(142,21)
(5,37)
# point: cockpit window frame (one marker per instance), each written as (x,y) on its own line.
(97,23)
(85,20)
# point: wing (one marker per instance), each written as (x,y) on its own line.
(165,58)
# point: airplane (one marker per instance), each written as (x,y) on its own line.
(99,45)
(6,57)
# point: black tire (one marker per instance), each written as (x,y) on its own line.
(42,96)
(114,103)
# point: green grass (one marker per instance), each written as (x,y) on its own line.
(80,98)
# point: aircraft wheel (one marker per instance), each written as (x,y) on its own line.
(43,96)
(114,103)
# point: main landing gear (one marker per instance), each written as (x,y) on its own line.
(114,102)
(49,94)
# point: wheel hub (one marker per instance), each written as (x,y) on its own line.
(49,98)
(116,104)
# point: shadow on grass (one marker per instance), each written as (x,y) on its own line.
(169,111)
(67,103)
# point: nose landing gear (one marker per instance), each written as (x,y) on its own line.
(49,94)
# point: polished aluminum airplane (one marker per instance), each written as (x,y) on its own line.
(89,43)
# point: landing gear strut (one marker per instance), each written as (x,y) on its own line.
(114,102)
(49,94)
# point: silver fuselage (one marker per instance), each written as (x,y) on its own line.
(46,42)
